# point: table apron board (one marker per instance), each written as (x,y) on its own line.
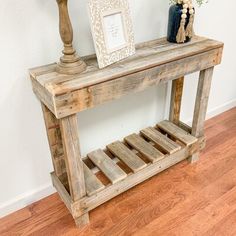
(73,102)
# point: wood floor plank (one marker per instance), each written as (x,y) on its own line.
(144,147)
(208,217)
(127,156)
(160,140)
(112,171)
(225,227)
(177,132)
(180,214)
(92,183)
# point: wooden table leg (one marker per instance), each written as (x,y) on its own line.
(55,144)
(73,161)
(176,99)
(201,103)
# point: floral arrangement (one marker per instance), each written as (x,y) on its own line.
(199,2)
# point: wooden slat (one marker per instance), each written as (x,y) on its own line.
(144,147)
(112,171)
(92,183)
(177,132)
(127,156)
(161,140)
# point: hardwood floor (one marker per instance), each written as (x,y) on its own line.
(198,199)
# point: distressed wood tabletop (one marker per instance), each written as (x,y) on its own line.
(155,62)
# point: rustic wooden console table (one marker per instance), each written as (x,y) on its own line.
(124,164)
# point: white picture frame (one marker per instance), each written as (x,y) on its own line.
(112,30)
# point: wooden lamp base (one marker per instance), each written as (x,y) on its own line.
(69,63)
(72,66)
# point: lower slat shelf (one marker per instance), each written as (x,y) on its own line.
(128,163)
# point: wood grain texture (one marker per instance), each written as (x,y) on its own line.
(127,156)
(187,199)
(74,164)
(201,103)
(177,132)
(63,193)
(82,220)
(144,147)
(112,171)
(163,142)
(95,95)
(55,143)
(155,62)
(176,99)
(158,51)
(92,183)
(69,63)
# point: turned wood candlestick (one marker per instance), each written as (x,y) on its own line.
(69,63)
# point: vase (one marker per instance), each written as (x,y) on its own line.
(175,13)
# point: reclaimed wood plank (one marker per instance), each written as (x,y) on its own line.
(97,94)
(112,171)
(152,57)
(64,195)
(176,99)
(55,143)
(144,147)
(201,103)
(163,142)
(177,132)
(42,70)
(92,183)
(127,156)
(143,63)
(142,50)
(44,96)
(74,164)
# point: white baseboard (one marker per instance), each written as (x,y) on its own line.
(216,111)
(46,190)
(26,199)
(222,108)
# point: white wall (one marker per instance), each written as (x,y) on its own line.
(29,37)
